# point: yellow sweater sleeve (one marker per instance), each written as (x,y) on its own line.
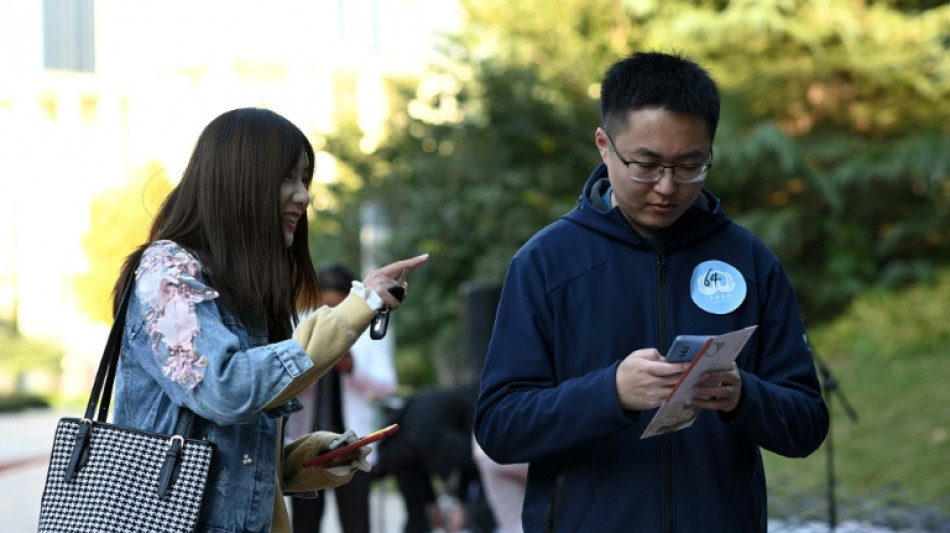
(337,328)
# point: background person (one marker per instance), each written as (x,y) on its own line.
(574,371)
(344,398)
(210,321)
(504,487)
(434,447)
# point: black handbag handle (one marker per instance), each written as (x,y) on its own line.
(101,394)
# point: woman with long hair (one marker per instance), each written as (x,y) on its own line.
(213,327)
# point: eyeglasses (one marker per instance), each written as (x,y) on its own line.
(652,172)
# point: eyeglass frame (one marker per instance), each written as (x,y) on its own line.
(699,178)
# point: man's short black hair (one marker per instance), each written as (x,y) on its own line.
(335,277)
(655,79)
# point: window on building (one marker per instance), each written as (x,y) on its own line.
(68,35)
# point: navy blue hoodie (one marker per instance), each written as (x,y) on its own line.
(581,295)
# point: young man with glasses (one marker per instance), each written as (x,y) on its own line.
(575,368)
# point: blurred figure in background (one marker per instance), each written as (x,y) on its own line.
(504,487)
(344,399)
(434,443)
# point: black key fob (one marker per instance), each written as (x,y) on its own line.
(379,325)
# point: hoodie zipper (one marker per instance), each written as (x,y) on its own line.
(553,515)
(667,454)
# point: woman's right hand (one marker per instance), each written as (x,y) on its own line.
(384,278)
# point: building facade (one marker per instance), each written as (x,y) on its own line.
(93,91)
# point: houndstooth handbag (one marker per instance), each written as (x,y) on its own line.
(108,478)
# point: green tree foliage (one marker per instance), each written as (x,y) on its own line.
(833,144)
(119,222)
(334,216)
(465,182)
(20,355)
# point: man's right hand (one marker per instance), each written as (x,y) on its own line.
(644,380)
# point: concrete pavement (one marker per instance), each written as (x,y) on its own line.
(25,441)
(26,438)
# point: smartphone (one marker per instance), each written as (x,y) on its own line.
(685,347)
(379,434)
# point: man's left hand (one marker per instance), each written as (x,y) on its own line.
(719,390)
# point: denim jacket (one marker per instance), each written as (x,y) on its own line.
(181,349)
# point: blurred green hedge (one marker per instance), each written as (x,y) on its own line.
(18,402)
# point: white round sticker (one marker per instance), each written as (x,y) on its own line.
(717,287)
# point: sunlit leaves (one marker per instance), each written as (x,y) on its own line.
(119,222)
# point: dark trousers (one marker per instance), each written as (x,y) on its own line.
(415,486)
(352,504)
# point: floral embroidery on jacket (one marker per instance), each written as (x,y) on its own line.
(168,286)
